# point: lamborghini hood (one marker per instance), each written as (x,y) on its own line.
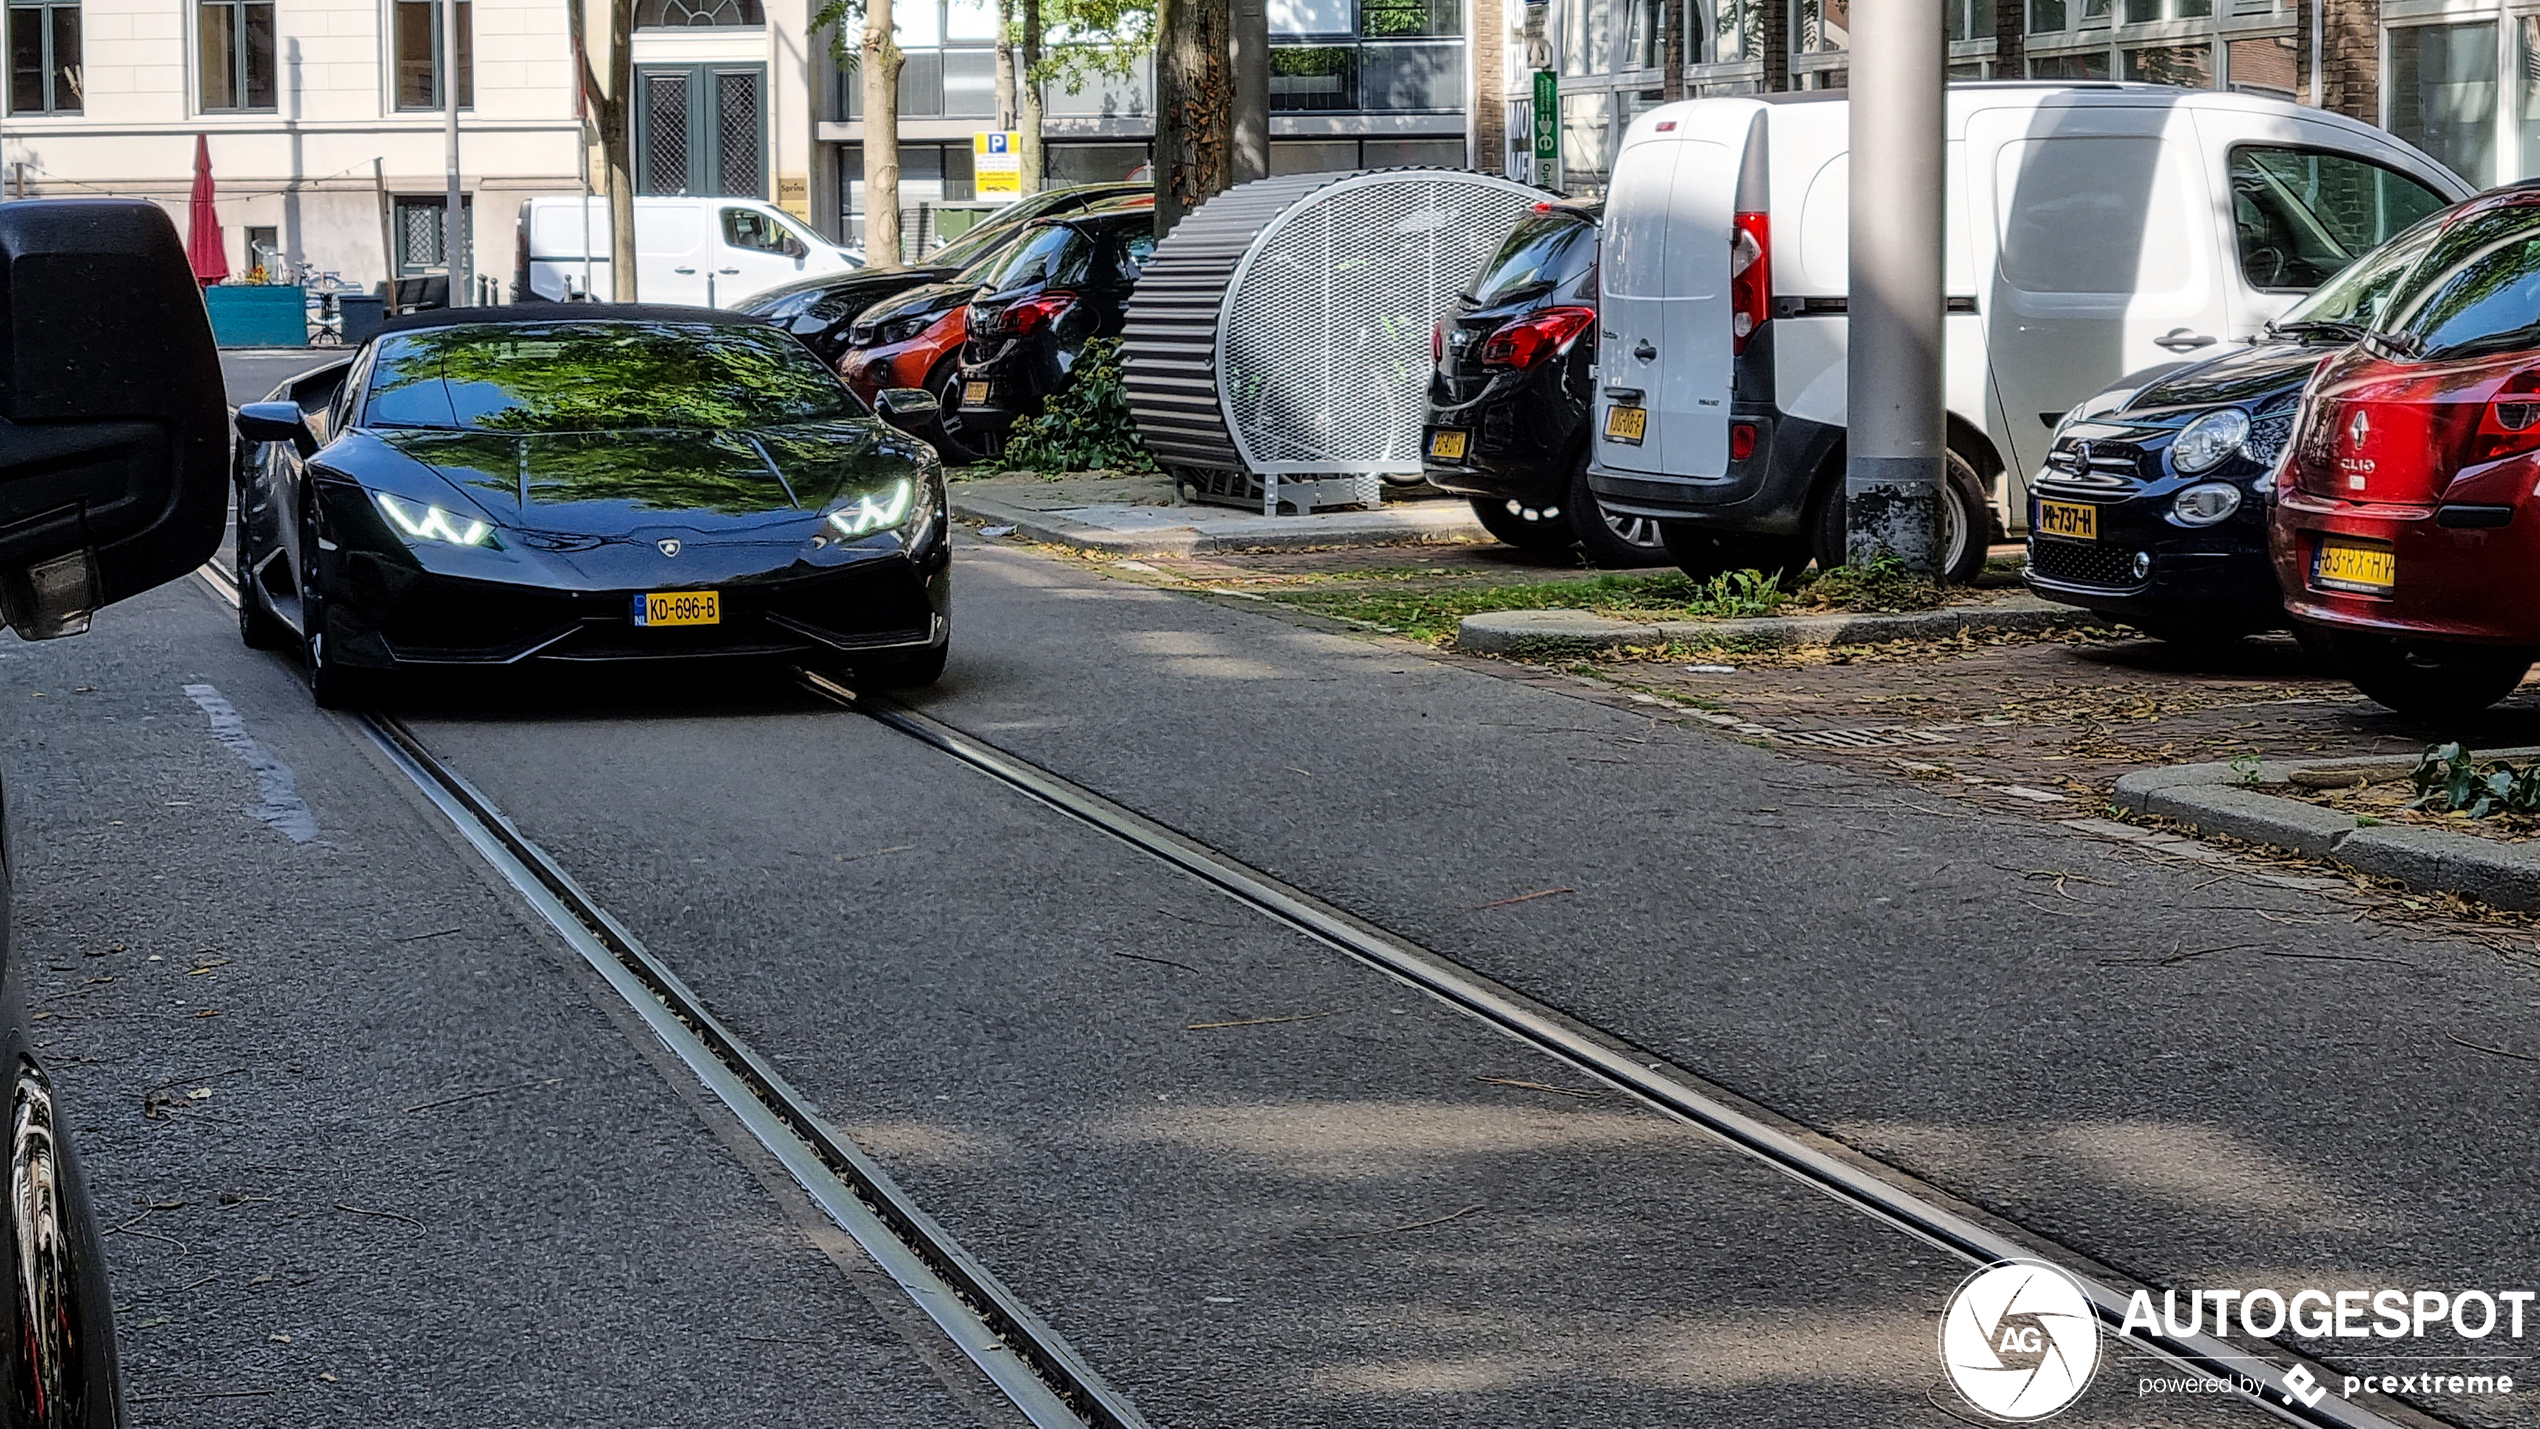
(610,484)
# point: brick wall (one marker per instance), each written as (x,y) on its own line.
(2351,53)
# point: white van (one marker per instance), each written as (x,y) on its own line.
(2093,230)
(692,252)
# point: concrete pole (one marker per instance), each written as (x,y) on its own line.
(1895,452)
(1249,44)
(454,215)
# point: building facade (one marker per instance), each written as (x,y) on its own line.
(2460,79)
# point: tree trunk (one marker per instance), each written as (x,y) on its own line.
(1679,37)
(617,142)
(1005,64)
(1194,110)
(878,67)
(1028,97)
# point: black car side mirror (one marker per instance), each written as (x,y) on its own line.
(907,406)
(793,247)
(114,455)
(277,422)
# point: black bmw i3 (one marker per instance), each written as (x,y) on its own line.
(503,486)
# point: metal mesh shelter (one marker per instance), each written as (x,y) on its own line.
(1280,337)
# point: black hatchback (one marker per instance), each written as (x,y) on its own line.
(2152,509)
(1064,284)
(1509,401)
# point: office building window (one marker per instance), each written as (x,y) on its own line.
(2442,95)
(418,24)
(698,14)
(235,39)
(44,74)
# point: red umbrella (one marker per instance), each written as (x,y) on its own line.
(203,241)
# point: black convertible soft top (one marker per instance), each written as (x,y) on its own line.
(567,313)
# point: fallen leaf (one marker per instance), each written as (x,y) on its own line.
(199,1094)
(279,1338)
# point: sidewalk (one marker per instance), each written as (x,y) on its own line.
(1137,514)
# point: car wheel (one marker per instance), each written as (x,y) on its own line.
(1703,553)
(905,672)
(1966,523)
(1515,530)
(2430,680)
(1606,539)
(258,627)
(948,432)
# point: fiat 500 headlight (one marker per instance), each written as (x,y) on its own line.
(2209,440)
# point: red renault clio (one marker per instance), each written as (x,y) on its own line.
(2406,524)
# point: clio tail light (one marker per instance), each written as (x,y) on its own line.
(1530,339)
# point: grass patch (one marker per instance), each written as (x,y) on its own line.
(1426,608)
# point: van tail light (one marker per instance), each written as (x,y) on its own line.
(1532,338)
(1741,440)
(1024,318)
(1750,276)
(1437,344)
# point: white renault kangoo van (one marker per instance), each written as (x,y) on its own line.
(691,252)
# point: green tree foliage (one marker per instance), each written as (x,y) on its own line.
(1086,426)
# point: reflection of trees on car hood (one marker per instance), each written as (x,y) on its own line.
(600,377)
(611,476)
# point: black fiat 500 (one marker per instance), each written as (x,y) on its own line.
(1066,283)
(2152,509)
(1509,402)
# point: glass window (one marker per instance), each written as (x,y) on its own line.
(1097,163)
(1544,251)
(1309,17)
(44,62)
(2266,65)
(2187,66)
(751,229)
(1737,32)
(1313,156)
(2301,217)
(2443,94)
(590,377)
(1049,253)
(681,14)
(236,42)
(2478,288)
(1136,249)
(1392,19)
(1646,46)
(1824,26)
(2087,64)
(2530,93)
(2045,17)
(1404,153)
(1411,77)
(1587,137)
(2363,291)
(418,25)
(1587,36)
(920,25)
(1313,77)
(2076,216)
(970,20)
(970,84)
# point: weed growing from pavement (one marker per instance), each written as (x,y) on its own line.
(1879,585)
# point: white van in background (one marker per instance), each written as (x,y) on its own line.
(2094,229)
(692,252)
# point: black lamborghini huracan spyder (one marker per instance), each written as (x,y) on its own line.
(506,485)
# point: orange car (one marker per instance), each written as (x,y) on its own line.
(914,339)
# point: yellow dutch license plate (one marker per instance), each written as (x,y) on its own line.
(974,392)
(679,607)
(2355,565)
(1446,445)
(1626,424)
(2069,519)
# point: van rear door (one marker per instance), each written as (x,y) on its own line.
(1663,347)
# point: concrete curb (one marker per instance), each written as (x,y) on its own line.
(1200,530)
(2216,798)
(1579,632)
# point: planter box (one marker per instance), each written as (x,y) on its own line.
(259,316)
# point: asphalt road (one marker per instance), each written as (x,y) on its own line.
(375,1146)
